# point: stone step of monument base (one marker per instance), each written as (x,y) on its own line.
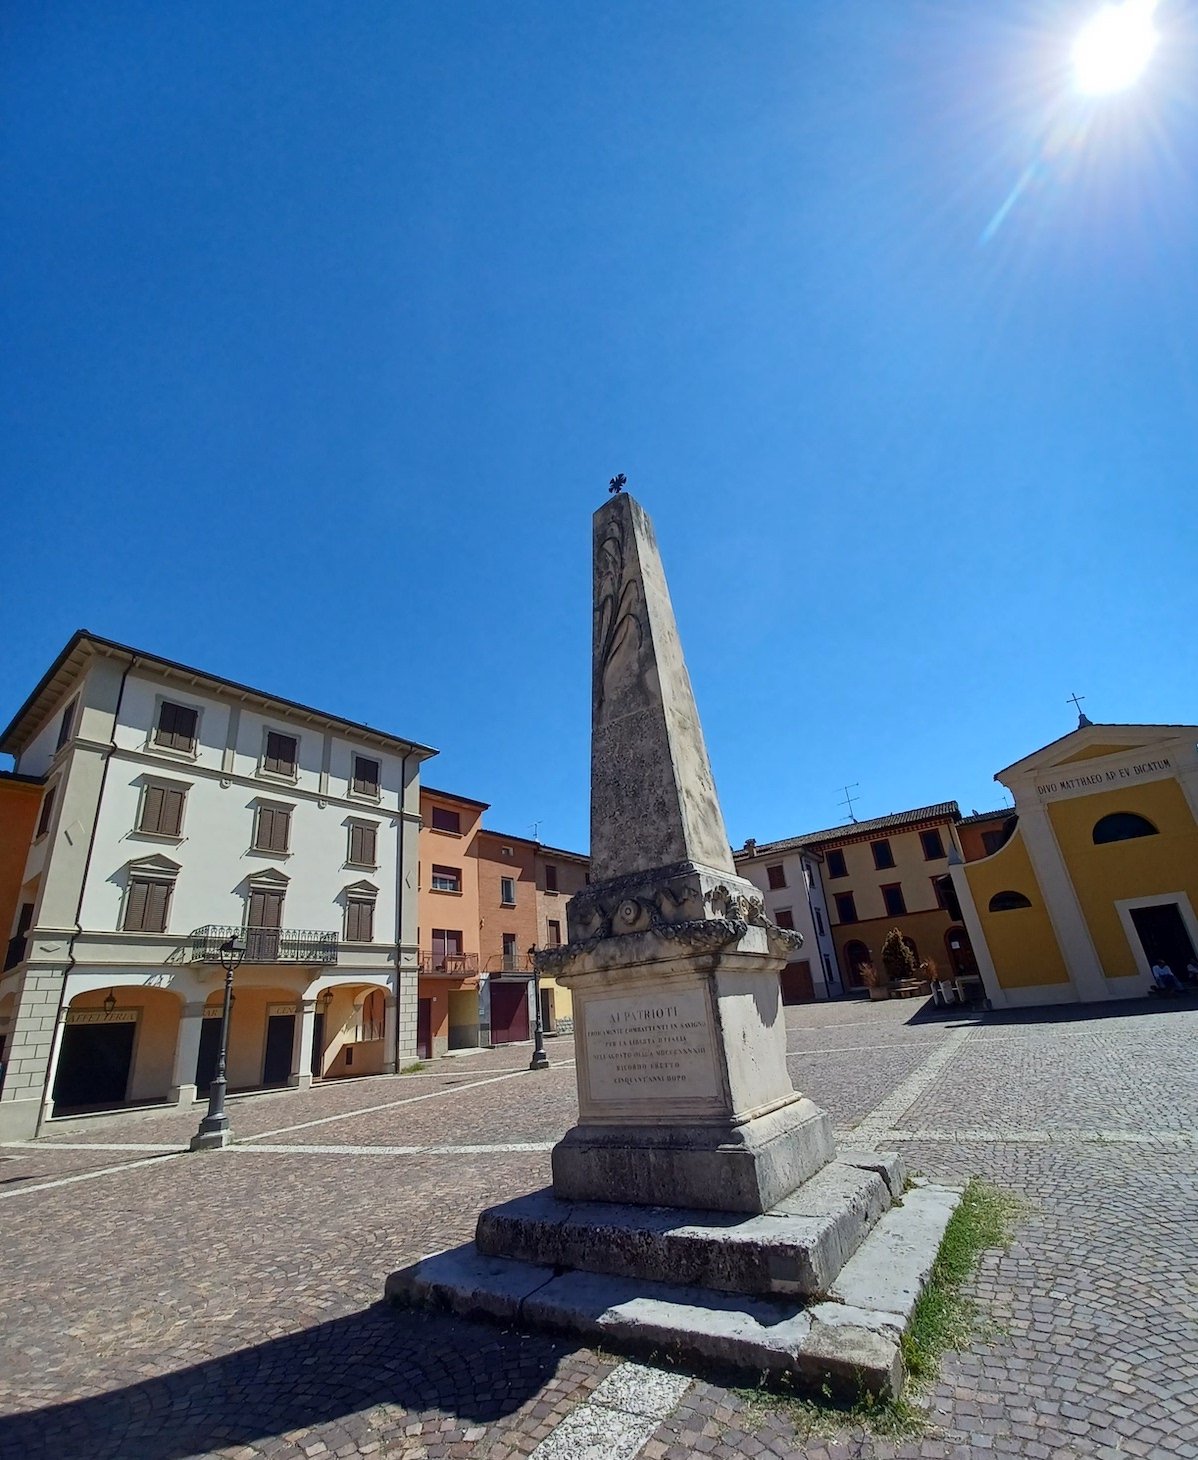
(797,1248)
(847,1343)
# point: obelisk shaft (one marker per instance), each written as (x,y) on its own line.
(653,799)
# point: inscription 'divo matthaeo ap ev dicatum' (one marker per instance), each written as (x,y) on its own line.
(650,1046)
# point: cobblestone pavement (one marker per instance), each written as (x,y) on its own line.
(167,1307)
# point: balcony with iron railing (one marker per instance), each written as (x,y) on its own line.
(500,963)
(448,965)
(265,945)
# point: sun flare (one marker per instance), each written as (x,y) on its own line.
(1115,47)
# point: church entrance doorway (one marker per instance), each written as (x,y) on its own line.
(1163,934)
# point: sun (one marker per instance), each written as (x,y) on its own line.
(1114,49)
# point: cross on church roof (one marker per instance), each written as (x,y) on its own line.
(1082,719)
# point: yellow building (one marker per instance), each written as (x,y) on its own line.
(1098,875)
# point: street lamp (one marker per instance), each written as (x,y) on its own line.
(214,1132)
(540,1060)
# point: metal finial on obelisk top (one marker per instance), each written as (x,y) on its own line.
(617,483)
(1082,719)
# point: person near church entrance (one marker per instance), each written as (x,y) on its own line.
(1164,977)
(1191,973)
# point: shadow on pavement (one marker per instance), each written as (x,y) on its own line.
(327,1375)
(1057,1013)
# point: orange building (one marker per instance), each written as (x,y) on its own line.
(20,797)
(486,899)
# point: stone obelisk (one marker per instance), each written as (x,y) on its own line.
(683,1092)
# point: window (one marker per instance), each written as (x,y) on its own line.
(363,844)
(808,875)
(828,969)
(359,919)
(896,903)
(784,917)
(1008,901)
(933,847)
(43,821)
(550,877)
(777,877)
(162,810)
(280,755)
(509,945)
(994,841)
(883,856)
(66,725)
(446,820)
(447,945)
(272,831)
(819,921)
(836,865)
(447,879)
(366,776)
(176,726)
(555,933)
(846,907)
(1122,826)
(507,891)
(147,904)
(946,897)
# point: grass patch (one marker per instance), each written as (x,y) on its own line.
(412,1069)
(944,1318)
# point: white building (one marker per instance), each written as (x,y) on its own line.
(180,808)
(789,877)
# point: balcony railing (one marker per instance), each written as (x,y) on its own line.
(449,965)
(509,963)
(266,945)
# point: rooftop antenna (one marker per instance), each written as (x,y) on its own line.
(1082,719)
(849,799)
(535,828)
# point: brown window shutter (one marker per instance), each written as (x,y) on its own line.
(366,922)
(256,902)
(355,843)
(151,811)
(351,921)
(172,812)
(166,724)
(282,829)
(156,904)
(135,907)
(185,727)
(369,840)
(280,753)
(366,776)
(266,824)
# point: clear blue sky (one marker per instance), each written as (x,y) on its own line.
(326,325)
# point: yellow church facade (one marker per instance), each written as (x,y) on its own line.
(1098,877)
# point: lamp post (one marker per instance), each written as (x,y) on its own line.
(214,1131)
(540,1060)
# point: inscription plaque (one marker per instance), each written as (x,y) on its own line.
(655,1046)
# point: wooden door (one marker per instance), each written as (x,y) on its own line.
(509,1012)
(280,1040)
(424,1029)
(797,987)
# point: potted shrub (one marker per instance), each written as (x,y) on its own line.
(873,981)
(898,962)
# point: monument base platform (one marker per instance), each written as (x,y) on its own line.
(731,1168)
(846,1340)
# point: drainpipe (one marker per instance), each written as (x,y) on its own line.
(91,842)
(403,789)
